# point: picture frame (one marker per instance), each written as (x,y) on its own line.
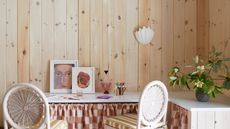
(83,79)
(61,75)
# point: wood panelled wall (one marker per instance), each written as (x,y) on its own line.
(213,21)
(98,33)
(214,26)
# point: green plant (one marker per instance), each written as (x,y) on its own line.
(203,76)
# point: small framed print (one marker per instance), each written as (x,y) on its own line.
(61,75)
(83,80)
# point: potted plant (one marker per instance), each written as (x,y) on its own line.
(204,76)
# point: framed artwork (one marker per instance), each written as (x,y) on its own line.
(61,75)
(83,80)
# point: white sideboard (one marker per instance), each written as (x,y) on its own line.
(214,114)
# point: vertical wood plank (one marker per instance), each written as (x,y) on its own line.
(131,46)
(72,29)
(11,46)
(167,38)
(216,24)
(47,40)
(156,44)
(190,31)
(3,33)
(84,33)
(226,25)
(205,120)
(23,41)
(178,33)
(108,36)
(144,50)
(203,28)
(35,43)
(60,29)
(96,39)
(118,54)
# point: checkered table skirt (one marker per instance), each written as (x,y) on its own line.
(89,116)
(178,117)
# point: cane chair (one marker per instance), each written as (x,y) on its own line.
(25,107)
(151,113)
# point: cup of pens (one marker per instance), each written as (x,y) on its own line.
(120,88)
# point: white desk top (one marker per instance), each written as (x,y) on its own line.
(128,97)
(187,100)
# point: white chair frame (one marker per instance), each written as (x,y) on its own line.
(160,119)
(16,87)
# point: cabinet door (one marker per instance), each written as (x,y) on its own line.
(206,120)
(201,120)
(222,120)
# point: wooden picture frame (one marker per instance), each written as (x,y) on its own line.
(83,79)
(61,75)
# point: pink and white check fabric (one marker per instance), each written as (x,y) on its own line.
(178,117)
(89,116)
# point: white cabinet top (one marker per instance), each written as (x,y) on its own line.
(187,100)
(128,97)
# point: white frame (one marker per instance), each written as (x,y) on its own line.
(54,62)
(91,72)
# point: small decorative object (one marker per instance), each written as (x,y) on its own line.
(120,88)
(83,80)
(204,76)
(61,75)
(144,35)
(103,97)
(106,83)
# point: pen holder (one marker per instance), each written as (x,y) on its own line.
(120,90)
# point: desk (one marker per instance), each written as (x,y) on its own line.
(188,113)
(88,111)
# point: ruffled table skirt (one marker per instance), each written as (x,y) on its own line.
(89,116)
(177,117)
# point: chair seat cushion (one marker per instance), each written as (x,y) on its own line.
(127,121)
(58,124)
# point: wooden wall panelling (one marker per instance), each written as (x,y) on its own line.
(226,25)
(2,52)
(11,43)
(96,32)
(72,29)
(190,31)
(60,29)
(108,36)
(217,27)
(118,55)
(23,40)
(203,25)
(35,43)
(144,50)
(131,73)
(47,40)
(178,26)
(167,38)
(84,32)
(156,44)
(216,24)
